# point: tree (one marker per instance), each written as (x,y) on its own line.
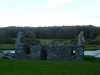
(29,34)
(5,38)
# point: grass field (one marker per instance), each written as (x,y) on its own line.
(12,46)
(7,46)
(36,67)
(92,47)
(46,40)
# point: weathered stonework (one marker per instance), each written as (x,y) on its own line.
(26,51)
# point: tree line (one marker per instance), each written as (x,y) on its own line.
(52,32)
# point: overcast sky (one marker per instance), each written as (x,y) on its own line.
(36,13)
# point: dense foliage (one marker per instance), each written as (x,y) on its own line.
(53,32)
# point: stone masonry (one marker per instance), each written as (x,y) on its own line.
(25,51)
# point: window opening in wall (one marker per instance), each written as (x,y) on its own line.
(73,52)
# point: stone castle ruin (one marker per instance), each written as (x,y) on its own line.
(25,51)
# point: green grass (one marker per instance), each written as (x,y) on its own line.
(12,46)
(92,47)
(51,40)
(46,40)
(37,67)
(7,46)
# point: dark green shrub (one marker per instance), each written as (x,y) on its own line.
(92,42)
(73,41)
(33,41)
(57,41)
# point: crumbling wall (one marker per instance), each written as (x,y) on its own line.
(65,52)
(57,52)
(35,52)
(50,52)
(24,51)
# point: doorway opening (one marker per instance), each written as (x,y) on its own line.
(43,54)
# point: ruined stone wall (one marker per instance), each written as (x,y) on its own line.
(65,52)
(35,52)
(24,51)
(57,52)
(50,52)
